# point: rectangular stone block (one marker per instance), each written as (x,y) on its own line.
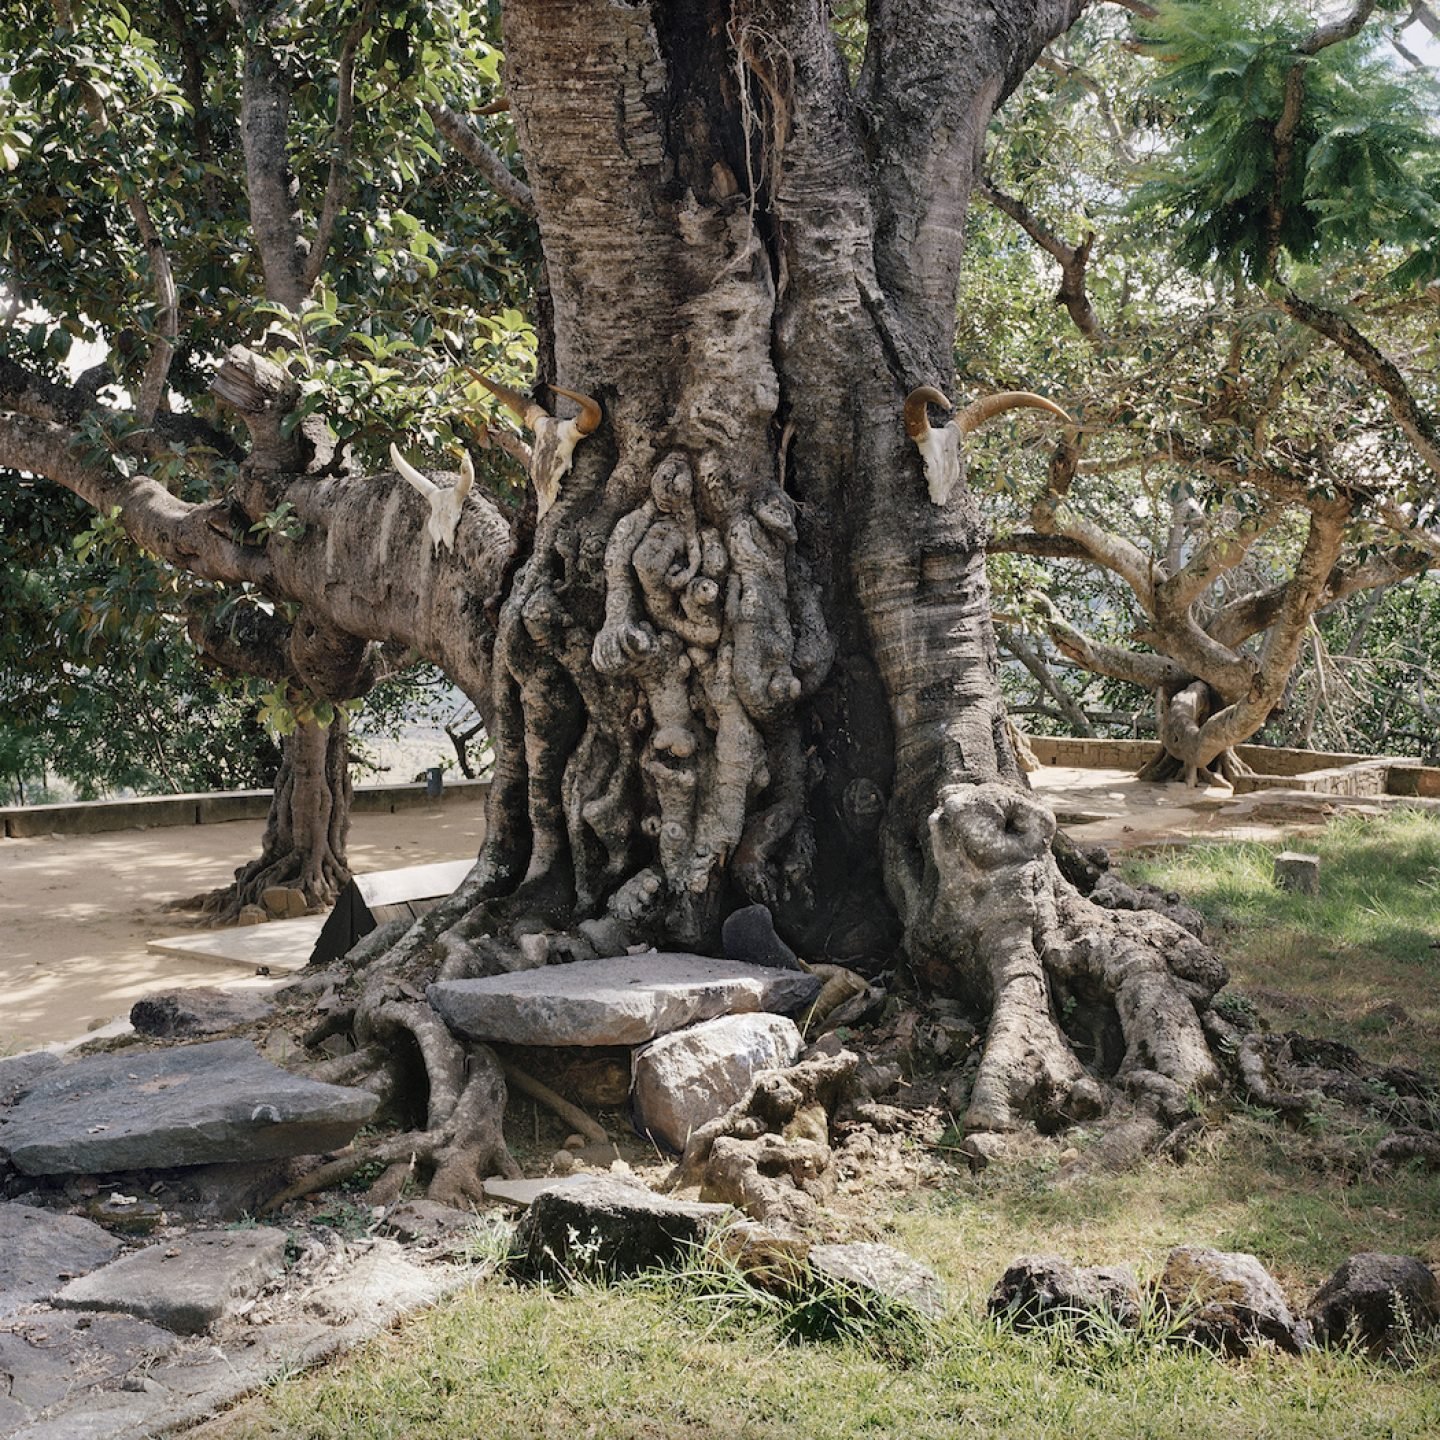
(623,1000)
(1297,872)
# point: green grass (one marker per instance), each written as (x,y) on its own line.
(698,1356)
(1360,961)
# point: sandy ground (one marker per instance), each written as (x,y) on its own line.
(76,910)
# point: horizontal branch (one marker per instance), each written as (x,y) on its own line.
(467,142)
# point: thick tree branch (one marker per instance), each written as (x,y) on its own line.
(1075,716)
(196,538)
(934,78)
(272,188)
(1417,423)
(1072,260)
(1288,123)
(1153,672)
(340,145)
(462,136)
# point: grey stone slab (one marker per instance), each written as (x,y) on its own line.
(623,1000)
(19,1072)
(192,1105)
(281,946)
(523,1193)
(884,1272)
(200,1010)
(40,1250)
(688,1078)
(48,1356)
(187,1286)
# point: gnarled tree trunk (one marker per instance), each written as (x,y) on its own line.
(748,658)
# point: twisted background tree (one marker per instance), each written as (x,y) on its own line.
(1258,437)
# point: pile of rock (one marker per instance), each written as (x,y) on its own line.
(1225,1301)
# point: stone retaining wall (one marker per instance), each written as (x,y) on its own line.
(1325,772)
(92,817)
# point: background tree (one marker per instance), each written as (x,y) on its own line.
(124,138)
(1248,457)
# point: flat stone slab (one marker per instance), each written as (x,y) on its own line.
(19,1072)
(47,1357)
(192,1105)
(523,1193)
(40,1250)
(624,1000)
(185,1287)
(282,946)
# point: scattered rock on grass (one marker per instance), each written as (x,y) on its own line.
(1374,1299)
(590,1226)
(1040,1290)
(880,1272)
(1228,1301)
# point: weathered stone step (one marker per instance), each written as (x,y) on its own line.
(191,1105)
(624,1000)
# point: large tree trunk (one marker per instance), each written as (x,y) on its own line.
(747,657)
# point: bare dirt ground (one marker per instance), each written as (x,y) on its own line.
(76,910)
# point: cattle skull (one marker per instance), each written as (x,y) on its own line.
(940,449)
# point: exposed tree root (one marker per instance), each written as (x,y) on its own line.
(1053,966)
(572,1115)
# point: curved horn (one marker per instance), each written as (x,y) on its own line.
(588,420)
(987,407)
(523,408)
(467,477)
(917,422)
(407,471)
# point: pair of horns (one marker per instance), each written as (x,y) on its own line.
(974,415)
(528,411)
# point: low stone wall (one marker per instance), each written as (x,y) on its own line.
(1325,772)
(1091,754)
(94,817)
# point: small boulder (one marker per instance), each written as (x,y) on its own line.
(284,902)
(880,1272)
(252,915)
(1228,1301)
(748,935)
(688,1078)
(1372,1298)
(590,1226)
(1041,1290)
